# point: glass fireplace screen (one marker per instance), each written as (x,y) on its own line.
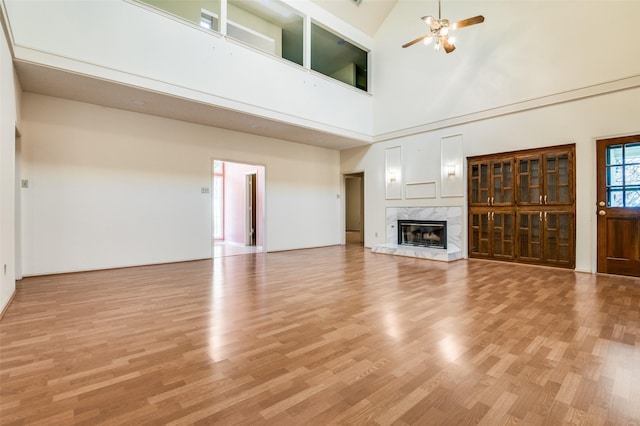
(423,233)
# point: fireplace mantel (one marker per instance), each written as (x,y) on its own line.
(453,217)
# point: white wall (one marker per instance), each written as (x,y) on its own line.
(134,44)
(9,101)
(111,188)
(579,122)
(532,75)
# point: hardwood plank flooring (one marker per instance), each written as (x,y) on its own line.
(334,335)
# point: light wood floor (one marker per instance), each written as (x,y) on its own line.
(333,335)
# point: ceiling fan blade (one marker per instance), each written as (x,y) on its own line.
(448,46)
(412,42)
(469,21)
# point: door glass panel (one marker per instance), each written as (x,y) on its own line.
(497,234)
(507,227)
(535,251)
(614,155)
(632,153)
(563,229)
(507,174)
(497,241)
(474,191)
(535,172)
(564,194)
(563,253)
(615,197)
(632,197)
(484,227)
(563,169)
(614,175)
(552,245)
(632,174)
(524,189)
(623,175)
(535,194)
(551,221)
(484,183)
(497,189)
(476,241)
(551,163)
(535,228)
(551,187)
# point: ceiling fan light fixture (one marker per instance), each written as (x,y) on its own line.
(441,29)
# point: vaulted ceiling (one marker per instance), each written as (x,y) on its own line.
(367,16)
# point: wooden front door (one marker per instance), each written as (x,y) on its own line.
(618,205)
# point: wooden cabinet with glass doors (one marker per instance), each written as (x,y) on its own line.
(522,206)
(491,182)
(492,235)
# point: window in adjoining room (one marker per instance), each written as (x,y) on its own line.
(336,57)
(270,26)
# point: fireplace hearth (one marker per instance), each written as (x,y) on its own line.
(423,233)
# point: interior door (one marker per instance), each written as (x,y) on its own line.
(251,210)
(618,209)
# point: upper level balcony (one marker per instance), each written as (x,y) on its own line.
(228,63)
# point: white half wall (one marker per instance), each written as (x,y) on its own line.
(580,122)
(134,44)
(111,188)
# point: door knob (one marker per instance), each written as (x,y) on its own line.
(602,204)
(602,213)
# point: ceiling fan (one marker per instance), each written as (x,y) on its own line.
(440,31)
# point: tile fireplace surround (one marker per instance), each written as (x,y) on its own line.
(453,216)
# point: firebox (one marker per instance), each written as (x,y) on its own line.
(423,233)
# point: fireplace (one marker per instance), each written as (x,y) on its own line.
(423,233)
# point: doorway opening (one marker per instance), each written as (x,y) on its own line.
(354,208)
(238,208)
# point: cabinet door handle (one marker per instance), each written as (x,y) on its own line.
(492,200)
(488,215)
(541,199)
(545,199)
(488,201)
(541,216)
(493,215)
(545,216)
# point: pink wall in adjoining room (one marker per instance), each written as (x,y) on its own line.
(235,198)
